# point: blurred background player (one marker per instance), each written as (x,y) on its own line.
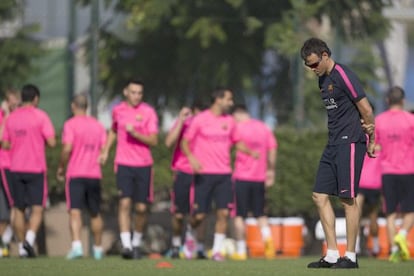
(395,135)
(212,134)
(369,196)
(83,138)
(135,127)
(183,187)
(252,176)
(11,102)
(26,139)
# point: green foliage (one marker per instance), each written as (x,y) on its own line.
(297,161)
(16,51)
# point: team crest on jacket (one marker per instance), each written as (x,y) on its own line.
(138,117)
(330,88)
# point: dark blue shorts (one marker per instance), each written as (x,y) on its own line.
(29,189)
(135,183)
(212,186)
(372,197)
(398,191)
(182,196)
(340,170)
(84,193)
(250,196)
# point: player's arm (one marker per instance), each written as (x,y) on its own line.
(150,140)
(51,142)
(175,132)
(271,167)
(107,147)
(5,145)
(64,158)
(185,147)
(368,123)
(242,147)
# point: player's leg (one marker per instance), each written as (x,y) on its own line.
(258,207)
(349,161)
(125,184)
(180,208)
(407,208)
(93,201)
(223,196)
(74,201)
(6,204)
(142,197)
(325,185)
(390,193)
(242,206)
(36,193)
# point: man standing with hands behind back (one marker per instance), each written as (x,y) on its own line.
(341,162)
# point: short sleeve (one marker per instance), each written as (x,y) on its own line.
(67,134)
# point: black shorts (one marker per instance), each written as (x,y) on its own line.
(372,197)
(6,200)
(135,183)
(250,196)
(209,186)
(398,191)
(29,189)
(84,193)
(340,170)
(182,196)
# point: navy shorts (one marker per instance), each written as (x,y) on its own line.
(250,196)
(135,183)
(29,189)
(84,193)
(6,200)
(398,191)
(182,195)
(212,186)
(372,197)
(340,170)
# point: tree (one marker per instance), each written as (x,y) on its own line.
(184,48)
(16,47)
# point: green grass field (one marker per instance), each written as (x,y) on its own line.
(117,266)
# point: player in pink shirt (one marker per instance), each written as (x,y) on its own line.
(12,100)
(26,139)
(395,135)
(251,176)
(183,187)
(135,126)
(212,134)
(83,138)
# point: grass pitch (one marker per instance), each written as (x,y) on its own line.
(116,266)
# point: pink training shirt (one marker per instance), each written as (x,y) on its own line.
(371,173)
(130,151)
(212,137)
(395,134)
(87,137)
(257,137)
(27,129)
(179,160)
